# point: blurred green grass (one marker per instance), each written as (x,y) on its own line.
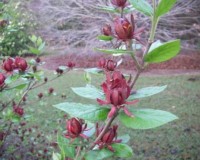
(175,141)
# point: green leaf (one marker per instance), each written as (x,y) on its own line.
(67,149)
(39,41)
(20,86)
(98,154)
(156,44)
(115,10)
(113,51)
(105,38)
(89,92)
(122,150)
(164,6)
(41,47)
(109,9)
(34,50)
(143,6)
(164,52)
(93,70)
(12,78)
(85,111)
(146,118)
(87,77)
(146,92)
(33,38)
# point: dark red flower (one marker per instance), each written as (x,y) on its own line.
(40,95)
(108,138)
(117,91)
(18,110)
(8,65)
(21,64)
(119,3)
(51,90)
(38,60)
(59,71)
(2,79)
(123,29)
(107,30)
(75,127)
(71,65)
(111,65)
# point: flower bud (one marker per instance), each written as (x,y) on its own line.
(18,110)
(59,71)
(34,68)
(2,79)
(45,79)
(74,126)
(38,60)
(119,3)
(123,29)
(107,30)
(111,65)
(101,63)
(8,65)
(71,65)
(110,135)
(21,64)
(50,90)
(40,95)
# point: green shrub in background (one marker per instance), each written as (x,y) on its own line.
(14,36)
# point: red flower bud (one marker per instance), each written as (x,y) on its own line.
(40,95)
(75,127)
(101,63)
(18,110)
(107,30)
(123,29)
(119,3)
(21,64)
(110,135)
(8,65)
(51,90)
(59,71)
(2,80)
(71,65)
(108,138)
(111,65)
(38,60)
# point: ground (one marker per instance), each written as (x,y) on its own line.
(184,63)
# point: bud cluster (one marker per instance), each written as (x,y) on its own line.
(17,63)
(117,90)
(108,65)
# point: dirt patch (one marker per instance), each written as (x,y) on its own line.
(183,63)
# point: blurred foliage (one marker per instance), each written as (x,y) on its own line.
(14,27)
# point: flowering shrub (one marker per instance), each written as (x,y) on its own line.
(19,77)
(115,99)
(91,131)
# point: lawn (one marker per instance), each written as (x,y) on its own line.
(178,140)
